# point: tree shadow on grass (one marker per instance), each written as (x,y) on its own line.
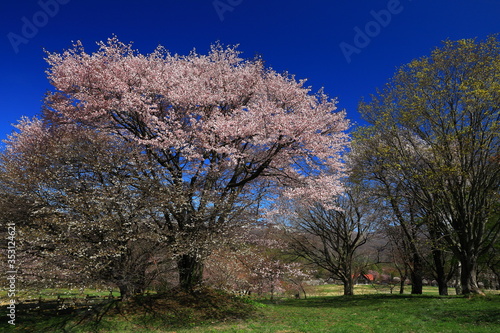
(172,310)
(55,316)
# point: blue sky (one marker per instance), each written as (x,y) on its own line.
(348,47)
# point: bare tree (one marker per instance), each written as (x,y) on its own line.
(402,222)
(331,239)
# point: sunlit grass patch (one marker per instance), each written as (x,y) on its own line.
(370,289)
(374,313)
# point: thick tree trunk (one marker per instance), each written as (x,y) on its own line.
(349,286)
(442,287)
(416,275)
(124,291)
(441,279)
(190,271)
(130,288)
(468,276)
(131,283)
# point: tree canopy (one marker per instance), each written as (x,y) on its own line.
(436,125)
(195,140)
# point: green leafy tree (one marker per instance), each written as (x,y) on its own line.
(440,117)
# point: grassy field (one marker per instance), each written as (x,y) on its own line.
(322,311)
(372,313)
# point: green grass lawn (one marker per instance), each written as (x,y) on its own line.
(373,311)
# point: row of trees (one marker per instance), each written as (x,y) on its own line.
(429,163)
(432,153)
(144,164)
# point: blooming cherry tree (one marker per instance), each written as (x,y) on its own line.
(216,125)
(85,203)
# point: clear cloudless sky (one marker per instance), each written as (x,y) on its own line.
(347,47)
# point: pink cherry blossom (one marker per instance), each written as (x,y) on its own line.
(215,111)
